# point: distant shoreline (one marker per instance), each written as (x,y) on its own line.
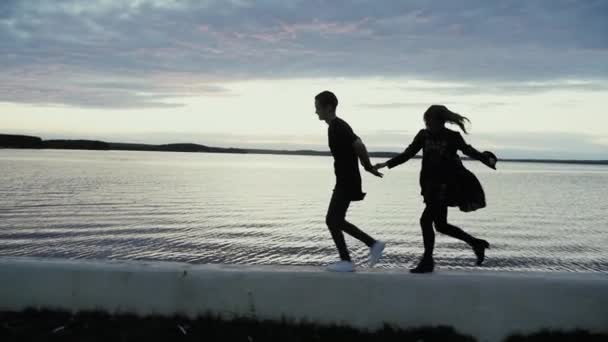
(32,142)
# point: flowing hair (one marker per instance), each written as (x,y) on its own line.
(443,114)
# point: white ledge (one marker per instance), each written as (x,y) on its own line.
(486,304)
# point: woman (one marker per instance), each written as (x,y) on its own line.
(444,180)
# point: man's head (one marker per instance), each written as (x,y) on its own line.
(325,105)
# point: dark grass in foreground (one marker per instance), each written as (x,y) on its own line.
(45,325)
(554,336)
(34,325)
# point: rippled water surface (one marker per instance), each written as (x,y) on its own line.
(264,209)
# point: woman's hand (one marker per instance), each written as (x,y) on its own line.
(380,166)
(491,159)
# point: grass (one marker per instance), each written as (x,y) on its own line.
(44,325)
(48,325)
(559,336)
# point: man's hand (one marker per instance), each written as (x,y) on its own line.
(361,151)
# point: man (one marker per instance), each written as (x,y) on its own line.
(346,147)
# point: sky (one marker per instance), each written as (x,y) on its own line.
(532,76)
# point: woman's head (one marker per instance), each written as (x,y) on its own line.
(436,116)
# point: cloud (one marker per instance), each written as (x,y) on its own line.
(509,87)
(558,145)
(477,41)
(54,85)
(393,105)
(424,105)
(551,145)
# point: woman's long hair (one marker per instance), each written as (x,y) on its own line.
(443,114)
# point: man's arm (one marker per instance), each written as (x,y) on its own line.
(361,151)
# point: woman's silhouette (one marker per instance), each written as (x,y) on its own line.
(444,180)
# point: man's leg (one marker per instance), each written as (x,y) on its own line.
(335,222)
(358,234)
(375,247)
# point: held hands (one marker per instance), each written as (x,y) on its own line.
(380,166)
(374,171)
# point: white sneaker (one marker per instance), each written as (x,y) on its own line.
(341,266)
(375,252)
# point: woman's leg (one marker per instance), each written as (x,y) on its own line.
(426,263)
(428,234)
(440,215)
(441,224)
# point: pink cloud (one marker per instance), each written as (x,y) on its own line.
(286,32)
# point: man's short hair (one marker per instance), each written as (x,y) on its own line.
(327,98)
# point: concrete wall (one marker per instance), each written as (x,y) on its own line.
(487,305)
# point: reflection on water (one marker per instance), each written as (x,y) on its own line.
(263,209)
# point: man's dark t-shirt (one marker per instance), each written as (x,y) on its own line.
(346,164)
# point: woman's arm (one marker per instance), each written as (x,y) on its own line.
(485,157)
(415,146)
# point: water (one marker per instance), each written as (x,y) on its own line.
(265,209)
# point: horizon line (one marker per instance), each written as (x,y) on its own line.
(232,150)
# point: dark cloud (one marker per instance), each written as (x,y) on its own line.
(479,41)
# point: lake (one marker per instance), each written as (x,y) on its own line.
(270,209)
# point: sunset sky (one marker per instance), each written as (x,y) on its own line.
(532,76)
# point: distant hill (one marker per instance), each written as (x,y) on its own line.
(25,141)
(166,147)
(19,141)
(183,147)
(76,144)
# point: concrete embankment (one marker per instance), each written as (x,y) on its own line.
(487,305)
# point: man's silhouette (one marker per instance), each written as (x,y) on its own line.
(346,148)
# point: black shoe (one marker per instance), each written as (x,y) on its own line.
(479,247)
(426,265)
